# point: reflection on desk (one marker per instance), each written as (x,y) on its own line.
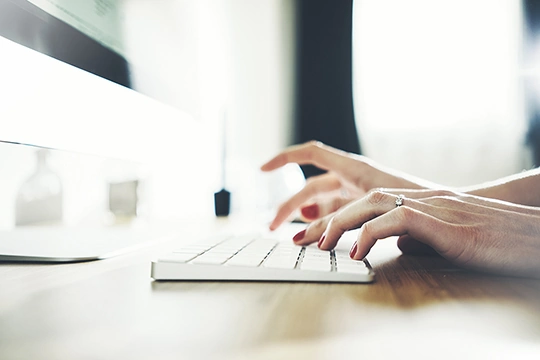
(418,306)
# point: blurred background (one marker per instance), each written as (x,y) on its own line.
(444,90)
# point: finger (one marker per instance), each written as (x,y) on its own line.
(313,232)
(355,214)
(377,203)
(442,198)
(314,186)
(411,246)
(420,193)
(404,221)
(481,204)
(313,153)
(323,207)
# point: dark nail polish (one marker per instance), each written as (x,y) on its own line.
(321,241)
(300,235)
(311,211)
(353,250)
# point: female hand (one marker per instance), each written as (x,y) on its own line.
(471,231)
(349,177)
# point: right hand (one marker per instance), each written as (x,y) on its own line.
(349,177)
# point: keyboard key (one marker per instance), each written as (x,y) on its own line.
(283,257)
(221,251)
(317,266)
(316,259)
(353,270)
(349,261)
(244,261)
(280,263)
(189,251)
(195,248)
(177,258)
(347,265)
(210,259)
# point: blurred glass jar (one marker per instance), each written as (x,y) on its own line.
(40,198)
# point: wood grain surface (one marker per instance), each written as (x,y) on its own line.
(418,307)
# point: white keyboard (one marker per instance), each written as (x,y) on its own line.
(258,258)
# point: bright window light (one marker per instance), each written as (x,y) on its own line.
(437,85)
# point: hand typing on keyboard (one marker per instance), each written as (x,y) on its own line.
(493,227)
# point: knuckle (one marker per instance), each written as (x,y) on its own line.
(318,225)
(447,193)
(405,214)
(340,221)
(314,144)
(376,197)
(337,223)
(313,147)
(367,229)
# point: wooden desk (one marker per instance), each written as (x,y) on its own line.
(111,309)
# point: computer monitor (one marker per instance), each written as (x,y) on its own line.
(79,150)
(130,43)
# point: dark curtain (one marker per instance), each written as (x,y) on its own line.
(32,27)
(323,96)
(531,16)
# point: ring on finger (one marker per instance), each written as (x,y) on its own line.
(399,200)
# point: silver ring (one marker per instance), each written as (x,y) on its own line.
(399,200)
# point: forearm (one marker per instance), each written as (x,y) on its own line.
(522,188)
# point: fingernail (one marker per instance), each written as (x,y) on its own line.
(353,250)
(311,211)
(299,236)
(321,241)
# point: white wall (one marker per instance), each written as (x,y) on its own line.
(211,57)
(208,56)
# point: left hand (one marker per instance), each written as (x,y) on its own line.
(471,231)
(349,177)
